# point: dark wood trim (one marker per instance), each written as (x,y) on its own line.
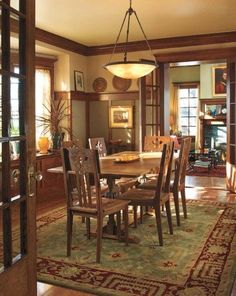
(44,62)
(56,40)
(171,42)
(196,55)
(82,96)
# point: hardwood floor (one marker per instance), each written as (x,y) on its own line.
(202,188)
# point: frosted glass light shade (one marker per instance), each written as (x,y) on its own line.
(131,69)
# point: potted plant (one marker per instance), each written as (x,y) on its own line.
(53,122)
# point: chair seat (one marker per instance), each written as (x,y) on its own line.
(108,206)
(149,185)
(142,196)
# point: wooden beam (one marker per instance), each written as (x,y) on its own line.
(171,42)
(196,55)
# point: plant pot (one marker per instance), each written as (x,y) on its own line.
(56,140)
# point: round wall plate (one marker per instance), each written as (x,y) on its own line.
(121,83)
(99,84)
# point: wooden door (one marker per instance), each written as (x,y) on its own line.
(231,125)
(17,145)
(151,105)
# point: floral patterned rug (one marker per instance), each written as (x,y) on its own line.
(199,259)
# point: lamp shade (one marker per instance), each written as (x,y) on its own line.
(130,69)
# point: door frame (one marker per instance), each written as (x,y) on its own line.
(227,54)
(18,277)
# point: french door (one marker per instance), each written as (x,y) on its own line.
(17,149)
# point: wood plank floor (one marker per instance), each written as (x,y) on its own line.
(201,188)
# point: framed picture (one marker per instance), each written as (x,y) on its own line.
(219,80)
(121,117)
(79,81)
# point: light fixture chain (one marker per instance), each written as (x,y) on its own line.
(144,35)
(127,34)
(118,37)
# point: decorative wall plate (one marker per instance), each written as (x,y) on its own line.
(99,84)
(121,83)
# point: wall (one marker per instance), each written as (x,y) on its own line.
(79,121)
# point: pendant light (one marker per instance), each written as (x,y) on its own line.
(130,69)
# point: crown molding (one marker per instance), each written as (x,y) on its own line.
(162,43)
(196,55)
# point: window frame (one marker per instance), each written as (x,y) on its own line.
(188,87)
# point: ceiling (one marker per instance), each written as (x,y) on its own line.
(97,22)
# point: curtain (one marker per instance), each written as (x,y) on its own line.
(42,97)
(174,109)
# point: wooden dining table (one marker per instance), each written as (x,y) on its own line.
(127,164)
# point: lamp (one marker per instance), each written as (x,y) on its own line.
(130,69)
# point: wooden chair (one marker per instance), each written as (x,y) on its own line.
(158,197)
(99,145)
(155,143)
(178,183)
(81,176)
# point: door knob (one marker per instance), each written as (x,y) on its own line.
(32,177)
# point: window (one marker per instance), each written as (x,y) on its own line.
(188,109)
(42,97)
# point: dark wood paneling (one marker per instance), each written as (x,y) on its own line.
(196,55)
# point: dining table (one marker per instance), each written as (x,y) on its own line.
(126,164)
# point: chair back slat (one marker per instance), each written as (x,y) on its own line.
(163,179)
(84,164)
(99,145)
(182,162)
(155,143)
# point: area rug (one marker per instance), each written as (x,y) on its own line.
(218,171)
(199,259)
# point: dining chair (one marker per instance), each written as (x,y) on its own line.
(84,198)
(99,145)
(160,195)
(155,143)
(123,183)
(177,184)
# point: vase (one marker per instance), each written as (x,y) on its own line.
(56,140)
(43,144)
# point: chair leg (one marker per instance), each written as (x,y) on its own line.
(176,201)
(158,222)
(126,222)
(69,232)
(183,198)
(88,227)
(141,214)
(135,216)
(168,212)
(118,221)
(99,238)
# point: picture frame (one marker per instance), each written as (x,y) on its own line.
(121,117)
(219,80)
(79,80)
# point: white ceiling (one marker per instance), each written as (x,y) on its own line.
(97,22)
